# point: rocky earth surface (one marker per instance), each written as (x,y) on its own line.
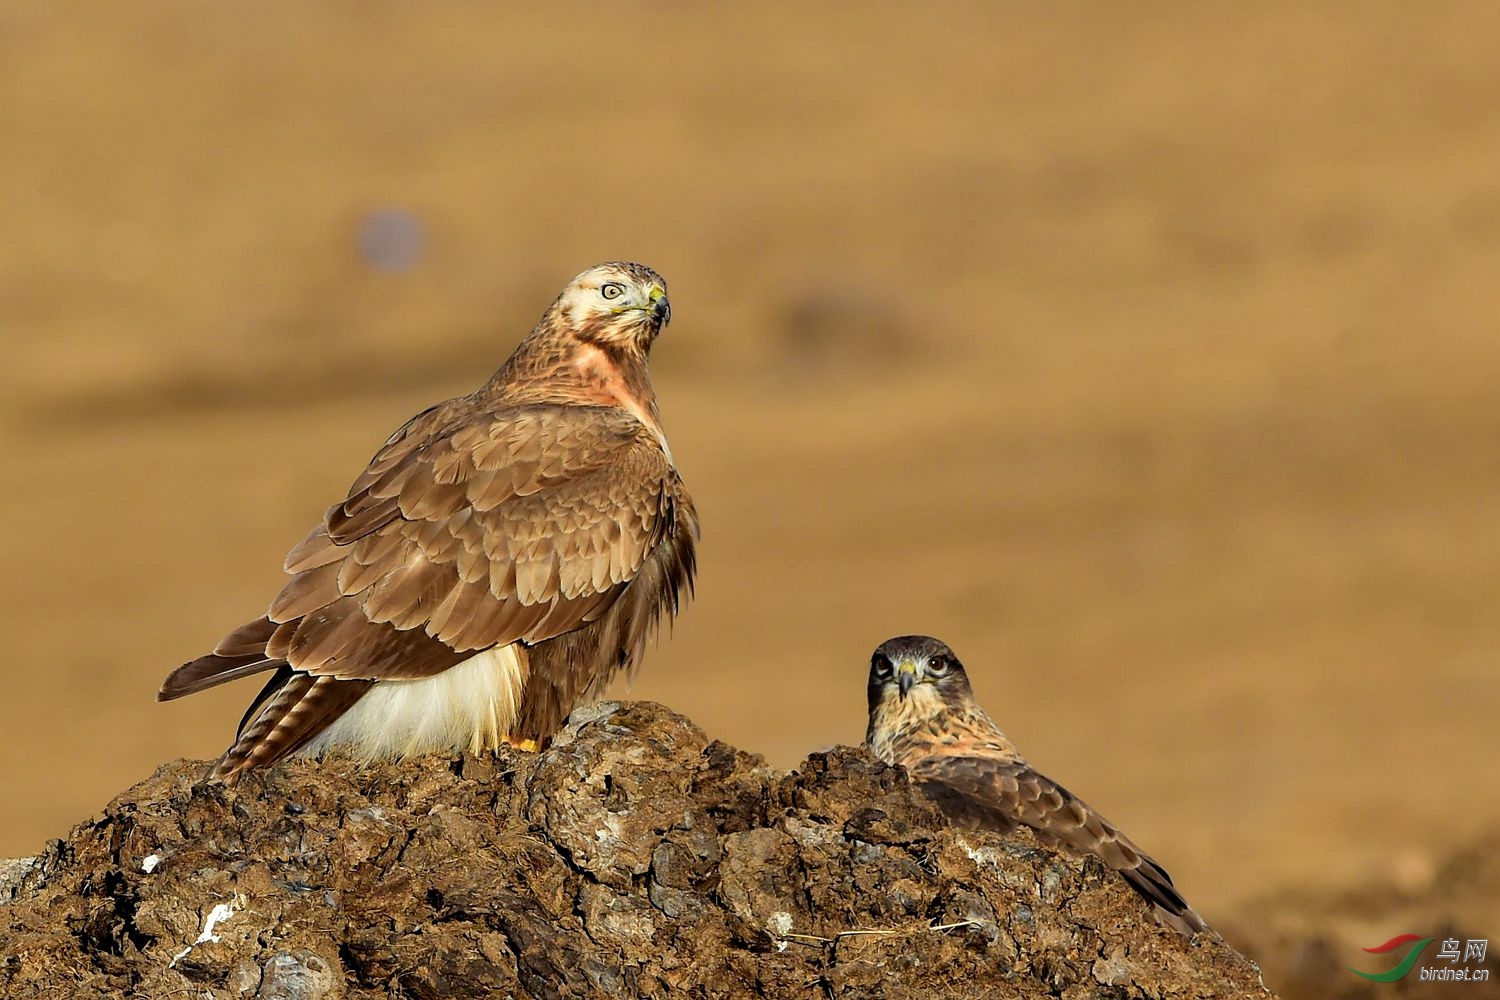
(633,858)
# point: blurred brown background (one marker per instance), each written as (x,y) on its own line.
(1147,356)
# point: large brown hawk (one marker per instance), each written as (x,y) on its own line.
(923,716)
(501,558)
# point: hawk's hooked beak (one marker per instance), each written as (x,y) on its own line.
(906,676)
(661,309)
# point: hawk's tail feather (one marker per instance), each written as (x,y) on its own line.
(273,684)
(292,710)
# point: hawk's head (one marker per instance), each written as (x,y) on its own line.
(620,304)
(919,676)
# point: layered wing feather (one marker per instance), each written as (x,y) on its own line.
(999,792)
(576,666)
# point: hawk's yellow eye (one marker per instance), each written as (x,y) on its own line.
(611,289)
(937,666)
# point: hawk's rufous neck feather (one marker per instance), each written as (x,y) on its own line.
(559,365)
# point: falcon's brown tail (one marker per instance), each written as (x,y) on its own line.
(1155,885)
(240,654)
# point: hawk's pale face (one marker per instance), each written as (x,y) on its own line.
(919,672)
(620,304)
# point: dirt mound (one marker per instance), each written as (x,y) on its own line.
(633,858)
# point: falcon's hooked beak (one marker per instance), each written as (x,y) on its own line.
(661,309)
(906,676)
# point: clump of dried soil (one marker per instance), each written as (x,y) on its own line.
(634,858)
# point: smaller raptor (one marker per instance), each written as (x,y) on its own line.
(923,716)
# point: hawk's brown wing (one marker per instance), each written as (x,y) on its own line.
(467,530)
(523,525)
(1001,792)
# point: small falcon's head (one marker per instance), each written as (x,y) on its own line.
(619,304)
(918,676)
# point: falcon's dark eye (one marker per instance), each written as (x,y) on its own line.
(881,665)
(937,666)
(611,289)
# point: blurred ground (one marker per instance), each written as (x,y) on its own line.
(1148,357)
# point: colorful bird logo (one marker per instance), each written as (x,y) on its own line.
(1390,946)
